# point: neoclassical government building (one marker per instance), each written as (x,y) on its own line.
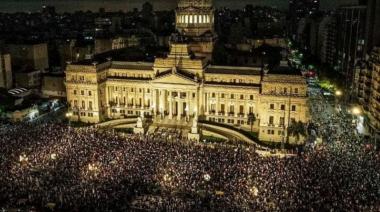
(184,85)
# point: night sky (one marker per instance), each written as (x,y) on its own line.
(115,5)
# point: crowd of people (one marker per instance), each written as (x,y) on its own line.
(89,169)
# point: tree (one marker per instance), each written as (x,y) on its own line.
(296,129)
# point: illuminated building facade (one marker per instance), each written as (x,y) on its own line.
(182,86)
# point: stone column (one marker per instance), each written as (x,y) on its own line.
(143,99)
(236,107)
(217,107)
(170,105)
(135,100)
(206,103)
(179,111)
(197,106)
(154,101)
(162,102)
(189,109)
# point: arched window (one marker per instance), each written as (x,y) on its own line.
(186,19)
(208,19)
(191,19)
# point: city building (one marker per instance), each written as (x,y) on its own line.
(374,103)
(327,40)
(372,24)
(299,9)
(119,42)
(6,80)
(351,23)
(195,26)
(53,85)
(183,86)
(28,78)
(362,83)
(30,55)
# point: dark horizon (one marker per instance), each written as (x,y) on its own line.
(128,5)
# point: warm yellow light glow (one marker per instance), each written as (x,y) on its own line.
(356,111)
(53,156)
(338,93)
(254,191)
(23,158)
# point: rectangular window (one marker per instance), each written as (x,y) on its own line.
(282,107)
(251,97)
(222,96)
(75,92)
(295,90)
(213,95)
(271,120)
(81,92)
(251,110)
(271,106)
(282,121)
(232,96)
(241,109)
(241,96)
(293,108)
(89,93)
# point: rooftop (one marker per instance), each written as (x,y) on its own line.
(132,65)
(284,70)
(233,70)
(126,54)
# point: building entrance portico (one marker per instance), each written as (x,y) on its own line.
(175,96)
(174,104)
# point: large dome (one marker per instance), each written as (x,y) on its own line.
(195,3)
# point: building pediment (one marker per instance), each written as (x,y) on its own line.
(174,78)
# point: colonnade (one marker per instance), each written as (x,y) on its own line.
(175,104)
(194,19)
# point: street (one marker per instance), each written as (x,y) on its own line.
(333,126)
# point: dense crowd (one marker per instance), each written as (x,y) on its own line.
(89,169)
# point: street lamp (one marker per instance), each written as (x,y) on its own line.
(338,93)
(68,116)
